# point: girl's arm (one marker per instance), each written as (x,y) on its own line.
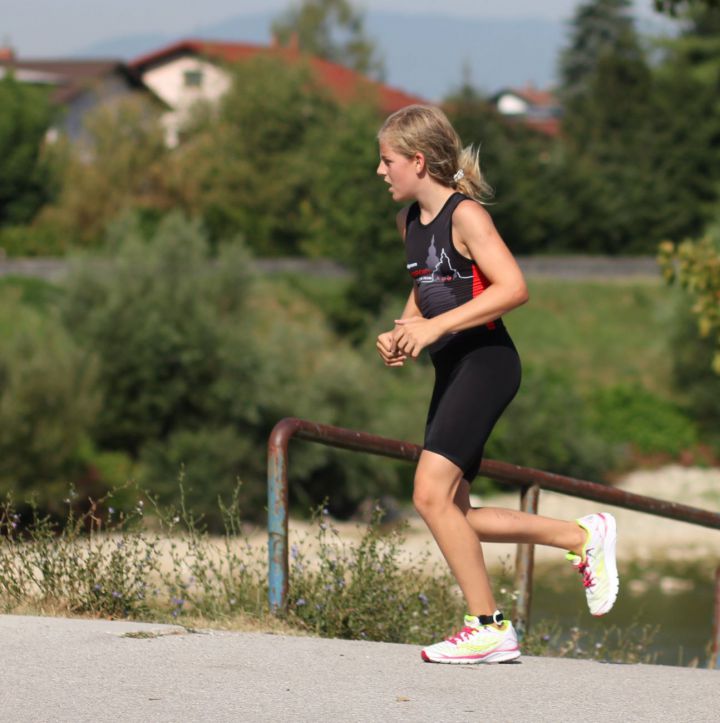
(476,235)
(386,343)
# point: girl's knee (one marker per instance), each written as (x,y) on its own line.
(429,495)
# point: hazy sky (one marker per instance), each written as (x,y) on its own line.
(52,27)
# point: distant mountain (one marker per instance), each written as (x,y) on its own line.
(125,47)
(424,54)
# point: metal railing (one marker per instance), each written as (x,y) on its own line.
(530,481)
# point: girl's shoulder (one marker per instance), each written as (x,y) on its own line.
(470,219)
(468,211)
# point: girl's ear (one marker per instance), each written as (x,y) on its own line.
(419,159)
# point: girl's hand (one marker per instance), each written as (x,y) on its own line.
(414,334)
(387,348)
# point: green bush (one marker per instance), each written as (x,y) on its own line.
(48,403)
(150,314)
(33,240)
(549,426)
(630,415)
(695,383)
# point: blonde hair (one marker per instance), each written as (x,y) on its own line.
(426,129)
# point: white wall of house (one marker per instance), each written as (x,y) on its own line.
(181,82)
(511,104)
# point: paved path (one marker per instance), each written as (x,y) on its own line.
(91,670)
(576,266)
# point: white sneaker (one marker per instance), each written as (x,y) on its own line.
(476,643)
(597,563)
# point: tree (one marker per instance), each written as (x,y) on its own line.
(331,29)
(245,167)
(119,166)
(598,28)
(48,404)
(514,158)
(349,216)
(695,266)
(673,6)
(25,179)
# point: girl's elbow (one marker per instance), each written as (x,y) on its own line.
(522,295)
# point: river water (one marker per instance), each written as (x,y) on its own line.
(676,598)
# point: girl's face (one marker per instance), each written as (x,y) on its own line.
(400,172)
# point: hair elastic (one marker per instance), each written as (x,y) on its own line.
(459,175)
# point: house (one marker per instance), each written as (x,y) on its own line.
(78,86)
(539,109)
(191,70)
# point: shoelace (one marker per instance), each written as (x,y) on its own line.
(461,635)
(584,569)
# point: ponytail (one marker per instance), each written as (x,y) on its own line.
(469,178)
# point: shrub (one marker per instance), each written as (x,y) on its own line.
(630,415)
(33,240)
(549,426)
(696,384)
(48,402)
(366,592)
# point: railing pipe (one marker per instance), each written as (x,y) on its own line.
(714,661)
(529,499)
(515,474)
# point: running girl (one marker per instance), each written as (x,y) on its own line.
(464,280)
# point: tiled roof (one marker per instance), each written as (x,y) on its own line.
(344,82)
(72,76)
(540,98)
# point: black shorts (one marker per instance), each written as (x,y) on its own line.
(477,374)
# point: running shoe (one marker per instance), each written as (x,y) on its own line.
(475,643)
(597,563)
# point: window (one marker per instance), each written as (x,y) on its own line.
(193,78)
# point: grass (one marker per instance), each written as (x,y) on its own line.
(599,333)
(34,292)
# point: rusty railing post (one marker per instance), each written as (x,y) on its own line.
(714,661)
(529,498)
(278,515)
